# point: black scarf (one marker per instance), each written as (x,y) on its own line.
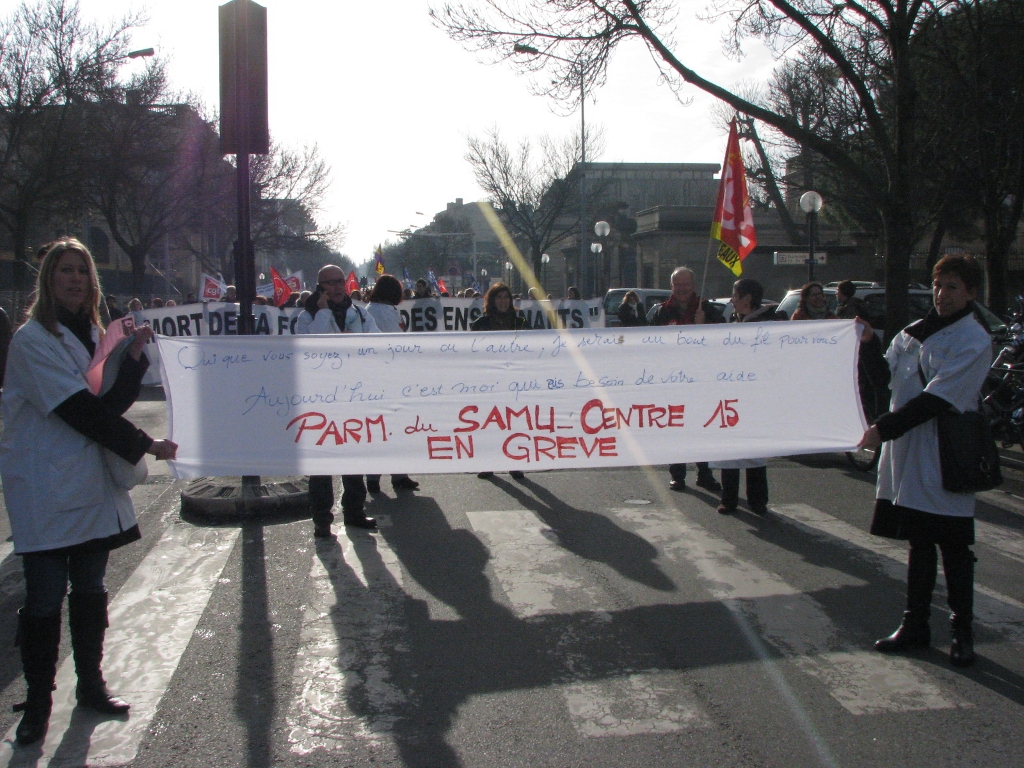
(339,310)
(80,325)
(934,322)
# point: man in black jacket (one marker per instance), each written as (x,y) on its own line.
(685,307)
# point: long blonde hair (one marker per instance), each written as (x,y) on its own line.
(44,308)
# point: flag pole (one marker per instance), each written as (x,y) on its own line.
(707,264)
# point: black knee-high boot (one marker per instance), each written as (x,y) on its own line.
(915,632)
(87,618)
(39,639)
(958,564)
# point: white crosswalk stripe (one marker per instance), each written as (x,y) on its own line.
(997,611)
(356,587)
(343,690)
(862,682)
(536,574)
(152,619)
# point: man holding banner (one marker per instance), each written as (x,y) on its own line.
(330,310)
(685,307)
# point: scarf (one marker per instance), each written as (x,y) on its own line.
(80,325)
(817,314)
(339,310)
(933,322)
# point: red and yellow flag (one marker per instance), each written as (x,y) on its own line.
(733,225)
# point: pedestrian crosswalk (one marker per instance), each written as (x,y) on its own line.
(346,696)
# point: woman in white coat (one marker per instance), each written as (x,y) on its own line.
(66,510)
(383,308)
(937,363)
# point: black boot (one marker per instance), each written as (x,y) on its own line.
(87,617)
(961,652)
(39,638)
(914,631)
(958,563)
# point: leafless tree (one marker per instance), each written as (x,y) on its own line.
(533,187)
(52,63)
(868,42)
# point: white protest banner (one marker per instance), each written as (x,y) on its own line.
(220,318)
(468,402)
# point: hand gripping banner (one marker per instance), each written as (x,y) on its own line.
(532,400)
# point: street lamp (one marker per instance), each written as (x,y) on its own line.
(810,203)
(529,50)
(544,261)
(601,229)
(508,270)
(595,248)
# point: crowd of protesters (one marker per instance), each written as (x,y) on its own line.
(937,365)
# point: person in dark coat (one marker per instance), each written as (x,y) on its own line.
(631,312)
(499,315)
(685,307)
(747,295)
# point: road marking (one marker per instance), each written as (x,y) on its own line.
(862,682)
(537,576)
(997,611)
(348,632)
(152,619)
(1004,540)
(534,570)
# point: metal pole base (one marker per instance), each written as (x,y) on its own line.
(219,499)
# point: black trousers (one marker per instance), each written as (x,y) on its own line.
(957,564)
(321,497)
(757,487)
(678,471)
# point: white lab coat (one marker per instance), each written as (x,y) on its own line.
(57,488)
(357,320)
(955,361)
(387,317)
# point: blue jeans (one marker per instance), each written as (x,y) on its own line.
(47,575)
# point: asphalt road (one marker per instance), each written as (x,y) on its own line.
(585,618)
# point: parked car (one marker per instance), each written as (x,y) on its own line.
(613,300)
(872,295)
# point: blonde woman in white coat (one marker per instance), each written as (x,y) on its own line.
(66,510)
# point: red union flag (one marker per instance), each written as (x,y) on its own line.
(281,289)
(733,224)
(213,288)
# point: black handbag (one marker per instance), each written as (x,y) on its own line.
(968,454)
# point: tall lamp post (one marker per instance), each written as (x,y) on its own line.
(544,261)
(595,248)
(602,230)
(508,271)
(810,203)
(529,50)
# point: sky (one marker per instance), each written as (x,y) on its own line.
(390,100)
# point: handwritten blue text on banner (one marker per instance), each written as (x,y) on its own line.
(545,399)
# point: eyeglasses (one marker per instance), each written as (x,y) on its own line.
(332,282)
